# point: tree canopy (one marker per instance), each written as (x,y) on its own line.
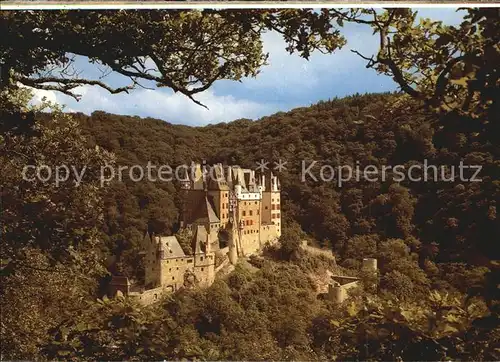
(450,68)
(186,51)
(434,240)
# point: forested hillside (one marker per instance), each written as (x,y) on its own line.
(436,293)
(442,220)
(434,241)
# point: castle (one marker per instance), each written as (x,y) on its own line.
(227,211)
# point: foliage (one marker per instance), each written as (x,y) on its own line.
(186,51)
(55,217)
(424,234)
(450,68)
(388,330)
(51,253)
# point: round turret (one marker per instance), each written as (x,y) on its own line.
(233,255)
(335,293)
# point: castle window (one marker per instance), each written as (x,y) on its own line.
(190,260)
(169,269)
(251,212)
(266,207)
(201,258)
(201,269)
(177,268)
(258,212)
(244,213)
(173,278)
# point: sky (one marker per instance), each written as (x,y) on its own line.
(287,82)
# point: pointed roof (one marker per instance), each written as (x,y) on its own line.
(205,213)
(200,238)
(170,247)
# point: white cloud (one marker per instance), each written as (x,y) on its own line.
(292,75)
(40,95)
(287,81)
(161,104)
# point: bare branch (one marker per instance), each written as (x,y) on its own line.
(66,85)
(370,60)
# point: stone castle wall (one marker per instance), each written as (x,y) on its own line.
(150,296)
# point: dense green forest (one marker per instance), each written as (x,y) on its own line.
(434,242)
(436,296)
(452,221)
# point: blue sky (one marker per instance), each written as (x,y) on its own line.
(286,83)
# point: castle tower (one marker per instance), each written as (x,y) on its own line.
(271,202)
(218,191)
(233,252)
(152,267)
(204,258)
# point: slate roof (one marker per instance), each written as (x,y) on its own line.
(199,239)
(171,247)
(205,213)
